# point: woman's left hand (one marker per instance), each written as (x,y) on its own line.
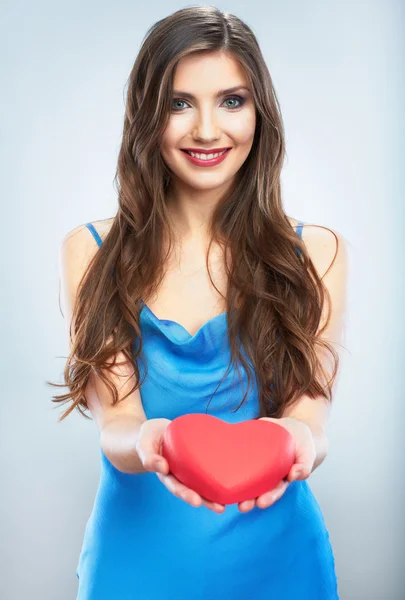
(305,456)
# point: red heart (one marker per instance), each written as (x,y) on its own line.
(227,462)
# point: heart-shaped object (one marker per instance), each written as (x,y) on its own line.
(227,462)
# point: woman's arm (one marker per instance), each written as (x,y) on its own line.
(321,245)
(119,425)
(118,440)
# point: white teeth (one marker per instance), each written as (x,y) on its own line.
(205,156)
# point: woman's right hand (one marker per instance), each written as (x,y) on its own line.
(149,448)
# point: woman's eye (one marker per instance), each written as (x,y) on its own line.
(232,107)
(238,98)
(178,102)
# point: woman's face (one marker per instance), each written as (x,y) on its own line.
(203,118)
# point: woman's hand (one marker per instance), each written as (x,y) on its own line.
(305,456)
(149,448)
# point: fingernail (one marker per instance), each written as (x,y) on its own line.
(160,466)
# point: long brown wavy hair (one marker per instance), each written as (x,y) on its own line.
(274,298)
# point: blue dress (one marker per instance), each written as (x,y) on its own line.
(143,543)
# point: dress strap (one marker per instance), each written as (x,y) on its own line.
(94,233)
(298,231)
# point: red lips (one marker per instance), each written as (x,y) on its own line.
(224,462)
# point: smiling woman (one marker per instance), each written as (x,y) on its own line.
(201,289)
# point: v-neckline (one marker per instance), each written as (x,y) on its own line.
(156,319)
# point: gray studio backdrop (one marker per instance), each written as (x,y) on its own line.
(338,71)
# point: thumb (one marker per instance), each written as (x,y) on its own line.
(304,459)
(148,446)
(297,471)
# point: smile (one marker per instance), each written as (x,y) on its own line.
(206,160)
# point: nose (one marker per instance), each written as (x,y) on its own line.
(206,128)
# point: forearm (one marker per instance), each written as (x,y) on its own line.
(118,439)
(321,445)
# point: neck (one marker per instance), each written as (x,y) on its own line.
(190,211)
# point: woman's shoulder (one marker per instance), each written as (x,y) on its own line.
(79,246)
(102,226)
(323,245)
(81,233)
(319,235)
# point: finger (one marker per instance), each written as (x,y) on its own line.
(188,495)
(269,498)
(152,461)
(162,466)
(298,471)
(179,490)
(246,505)
(215,506)
(147,456)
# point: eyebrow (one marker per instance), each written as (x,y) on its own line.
(220,93)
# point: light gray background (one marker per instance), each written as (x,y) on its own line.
(338,68)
